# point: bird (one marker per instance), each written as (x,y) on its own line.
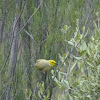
(44,65)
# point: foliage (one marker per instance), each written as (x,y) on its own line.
(67,31)
(84,78)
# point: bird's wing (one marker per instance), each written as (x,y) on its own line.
(40,60)
(41,64)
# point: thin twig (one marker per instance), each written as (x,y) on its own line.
(13,37)
(29,19)
(69,66)
(29,35)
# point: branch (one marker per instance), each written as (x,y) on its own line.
(29,35)
(69,66)
(29,19)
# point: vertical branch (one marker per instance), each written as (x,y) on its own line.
(13,59)
(3,20)
(69,66)
(88,18)
(27,53)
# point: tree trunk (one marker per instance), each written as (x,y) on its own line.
(13,58)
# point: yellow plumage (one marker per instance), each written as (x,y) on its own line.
(44,65)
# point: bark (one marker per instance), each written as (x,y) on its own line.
(3,20)
(13,58)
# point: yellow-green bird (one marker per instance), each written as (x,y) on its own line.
(44,65)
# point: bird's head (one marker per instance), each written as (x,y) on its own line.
(52,62)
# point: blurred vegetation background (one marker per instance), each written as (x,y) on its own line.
(67,31)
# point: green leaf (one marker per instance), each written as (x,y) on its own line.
(66,83)
(98,68)
(42,87)
(56,82)
(88,52)
(52,72)
(62,73)
(66,27)
(89,63)
(75,34)
(71,98)
(30,92)
(88,96)
(78,58)
(76,83)
(48,93)
(83,46)
(83,29)
(82,52)
(46,98)
(70,43)
(39,94)
(73,66)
